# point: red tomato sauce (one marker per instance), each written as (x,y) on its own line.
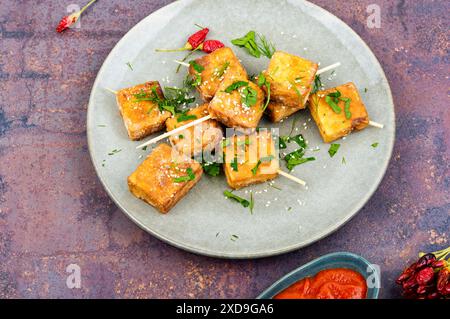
(337,283)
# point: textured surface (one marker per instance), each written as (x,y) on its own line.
(54,211)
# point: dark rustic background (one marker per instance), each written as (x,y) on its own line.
(54,211)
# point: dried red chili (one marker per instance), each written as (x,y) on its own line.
(70,20)
(193,42)
(211,45)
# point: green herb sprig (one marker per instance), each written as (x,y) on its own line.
(189,177)
(333,149)
(255,44)
(333,99)
(262,81)
(242,201)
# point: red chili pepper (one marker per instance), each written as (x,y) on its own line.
(70,20)
(197,38)
(211,45)
(193,42)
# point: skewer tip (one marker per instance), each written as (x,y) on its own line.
(375,124)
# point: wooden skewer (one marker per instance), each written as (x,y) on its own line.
(111,90)
(175,131)
(292,178)
(182,63)
(375,124)
(328,68)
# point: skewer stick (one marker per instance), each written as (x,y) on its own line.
(375,124)
(111,90)
(292,178)
(328,68)
(182,63)
(175,131)
(325,69)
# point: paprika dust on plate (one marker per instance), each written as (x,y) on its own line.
(336,283)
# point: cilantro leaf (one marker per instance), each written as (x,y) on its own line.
(235,85)
(242,201)
(333,149)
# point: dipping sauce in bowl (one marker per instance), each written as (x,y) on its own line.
(339,283)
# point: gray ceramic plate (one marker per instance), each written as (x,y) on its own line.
(204,221)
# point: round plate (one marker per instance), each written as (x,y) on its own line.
(283,220)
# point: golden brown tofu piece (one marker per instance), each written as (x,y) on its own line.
(162,181)
(333,125)
(250,159)
(291,79)
(141,118)
(216,66)
(278,111)
(193,140)
(232,109)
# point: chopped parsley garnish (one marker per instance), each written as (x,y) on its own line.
(248,42)
(317,85)
(252,203)
(260,161)
(333,149)
(129,65)
(365,90)
(236,85)
(249,96)
(115,151)
(295,158)
(242,201)
(189,177)
(185,117)
(254,46)
(262,80)
(181,136)
(174,97)
(144,148)
(297,161)
(333,99)
(265,46)
(197,67)
(222,70)
(234,164)
(343,160)
(375,145)
(234,237)
(211,168)
(101,125)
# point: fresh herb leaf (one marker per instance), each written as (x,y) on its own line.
(197,67)
(252,203)
(222,70)
(249,96)
(262,80)
(348,114)
(299,139)
(115,151)
(333,149)
(365,90)
(234,237)
(375,145)
(236,85)
(317,85)
(343,160)
(129,65)
(189,177)
(248,42)
(333,104)
(174,97)
(185,117)
(255,169)
(283,140)
(255,44)
(181,136)
(211,168)
(144,148)
(297,161)
(234,164)
(242,201)
(265,46)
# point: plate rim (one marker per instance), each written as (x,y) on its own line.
(222,254)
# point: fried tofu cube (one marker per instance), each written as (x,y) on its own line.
(240,108)
(141,118)
(250,159)
(334,125)
(162,181)
(216,66)
(291,79)
(193,140)
(278,111)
